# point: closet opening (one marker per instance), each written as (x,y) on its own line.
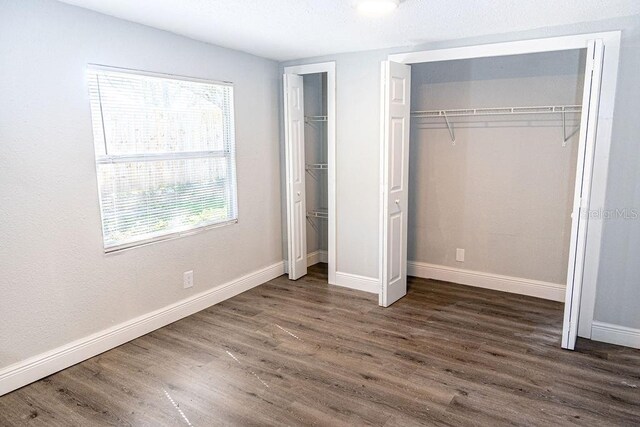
(309,101)
(316,167)
(496,190)
(492,166)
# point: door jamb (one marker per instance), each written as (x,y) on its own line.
(598,184)
(330,69)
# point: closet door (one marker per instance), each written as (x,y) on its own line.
(396,80)
(294,153)
(584,169)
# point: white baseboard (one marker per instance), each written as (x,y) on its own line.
(360,283)
(615,334)
(313,258)
(42,365)
(516,285)
(318,256)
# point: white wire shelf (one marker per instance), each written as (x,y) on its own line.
(309,119)
(318,214)
(317,166)
(547,109)
(500,111)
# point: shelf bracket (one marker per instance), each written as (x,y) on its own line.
(318,214)
(565,137)
(451,133)
(564,129)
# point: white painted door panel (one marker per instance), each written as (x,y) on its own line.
(396,104)
(295,171)
(584,169)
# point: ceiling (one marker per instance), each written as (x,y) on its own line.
(291,29)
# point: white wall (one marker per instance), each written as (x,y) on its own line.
(504,191)
(56,285)
(358,142)
(618,292)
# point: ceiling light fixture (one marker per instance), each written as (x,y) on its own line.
(376,8)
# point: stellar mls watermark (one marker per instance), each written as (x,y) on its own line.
(611,214)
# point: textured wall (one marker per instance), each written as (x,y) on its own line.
(56,283)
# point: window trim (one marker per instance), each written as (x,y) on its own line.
(126,158)
(165,237)
(100,67)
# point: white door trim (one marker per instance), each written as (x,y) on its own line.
(598,181)
(330,69)
(551,44)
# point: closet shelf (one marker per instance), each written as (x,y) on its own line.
(318,214)
(499,111)
(309,119)
(317,166)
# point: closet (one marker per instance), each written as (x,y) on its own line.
(316,166)
(504,169)
(309,137)
(493,152)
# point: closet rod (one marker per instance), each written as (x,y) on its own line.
(496,111)
(317,166)
(315,119)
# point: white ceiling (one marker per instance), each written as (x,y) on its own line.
(291,29)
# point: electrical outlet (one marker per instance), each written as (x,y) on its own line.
(460,255)
(187,279)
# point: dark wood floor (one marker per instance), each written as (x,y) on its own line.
(305,353)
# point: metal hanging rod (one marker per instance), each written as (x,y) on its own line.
(496,111)
(309,119)
(317,166)
(318,214)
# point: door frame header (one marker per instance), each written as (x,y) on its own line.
(520,47)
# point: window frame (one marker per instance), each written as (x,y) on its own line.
(228,153)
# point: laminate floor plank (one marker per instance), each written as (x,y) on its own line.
(306,353)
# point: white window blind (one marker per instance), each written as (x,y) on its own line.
(165,155)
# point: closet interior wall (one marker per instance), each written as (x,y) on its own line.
(315,110)
(503,191)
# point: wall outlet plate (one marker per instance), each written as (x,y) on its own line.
(460,255)
(187,279)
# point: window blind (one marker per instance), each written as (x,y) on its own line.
(165,155)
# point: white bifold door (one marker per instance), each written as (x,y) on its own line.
(396,110)
(584,170)
(295,171)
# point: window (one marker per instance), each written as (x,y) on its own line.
(165,155)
